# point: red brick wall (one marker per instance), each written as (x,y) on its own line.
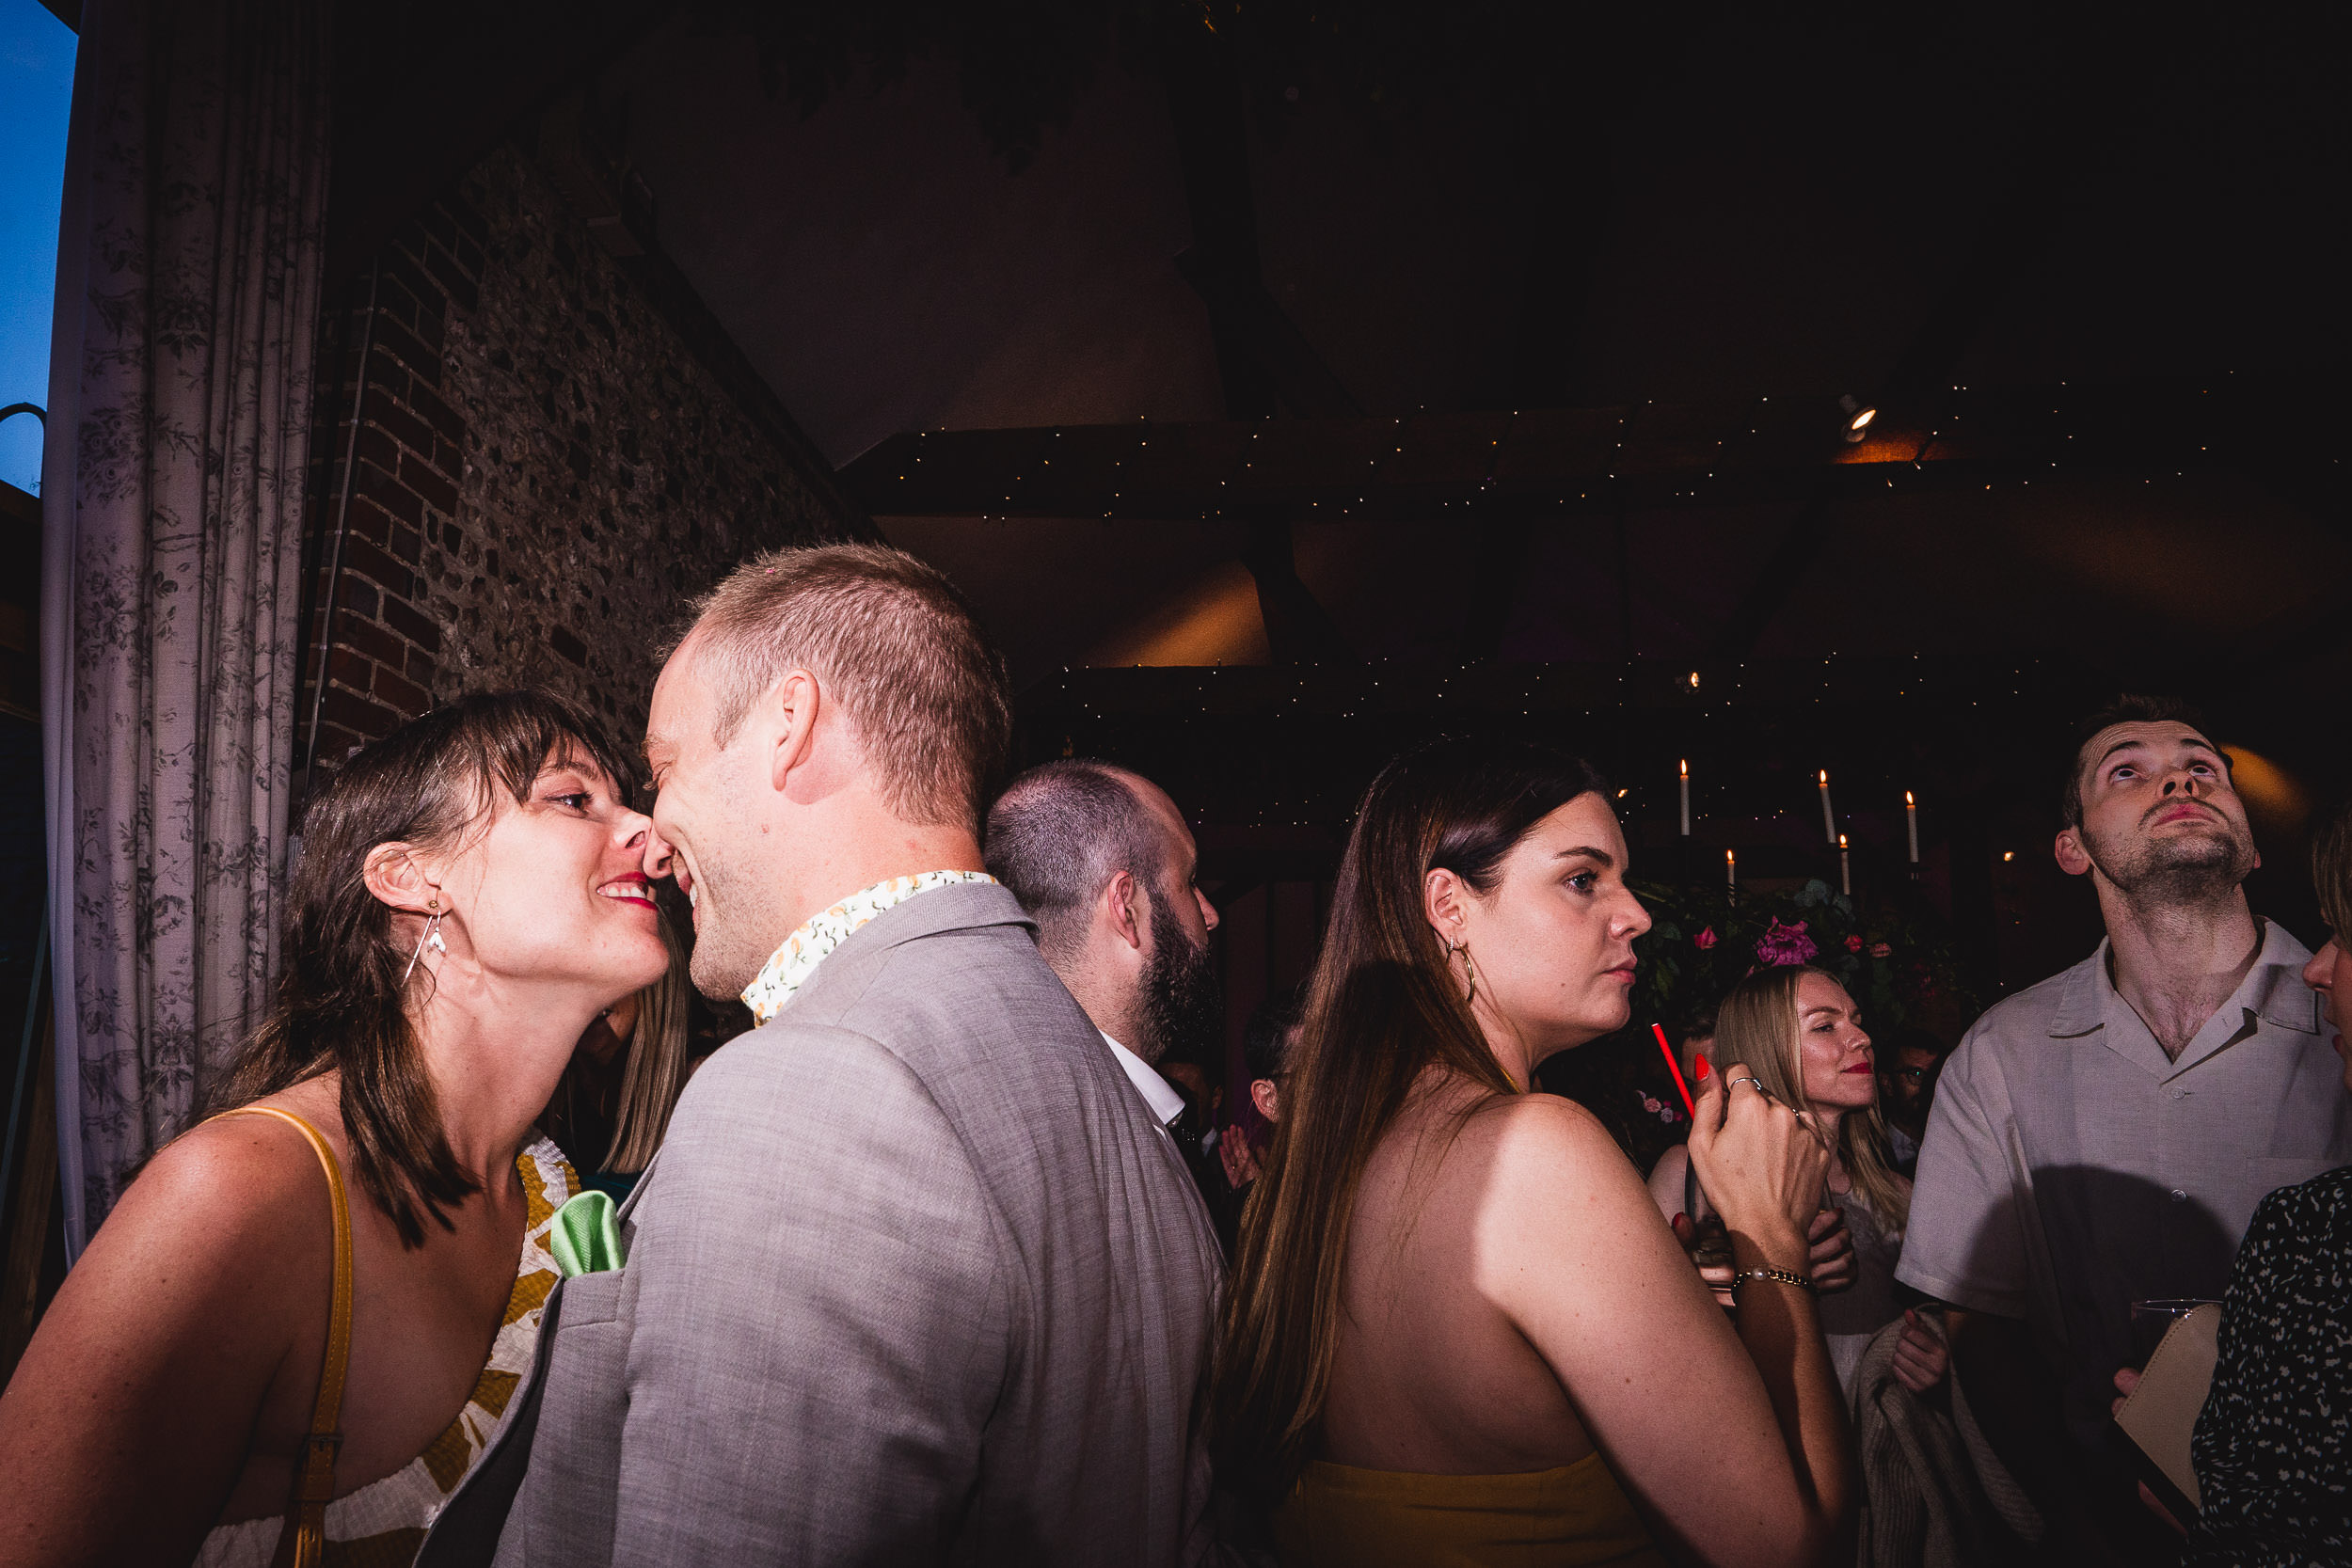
(558,447)
(409,456)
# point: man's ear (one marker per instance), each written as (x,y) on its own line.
(393,875)
(791,708)
(1123,907)
(1444,900)
(2071,858)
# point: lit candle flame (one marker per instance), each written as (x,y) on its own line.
(1685,767)
(1907,800)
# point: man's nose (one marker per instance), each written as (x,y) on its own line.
(1208,911)
(657,852)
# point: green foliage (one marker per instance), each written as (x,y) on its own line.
(1701,943)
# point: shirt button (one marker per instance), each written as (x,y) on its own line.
(2178,1196)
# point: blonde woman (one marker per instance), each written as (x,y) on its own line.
(614,1102)
(1796,1032)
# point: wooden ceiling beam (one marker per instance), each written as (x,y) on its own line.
(1543,463)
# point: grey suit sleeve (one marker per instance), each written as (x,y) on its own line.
(819,1326)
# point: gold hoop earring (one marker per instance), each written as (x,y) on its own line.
(1471,974)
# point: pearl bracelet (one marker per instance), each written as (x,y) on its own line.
(1783,1275)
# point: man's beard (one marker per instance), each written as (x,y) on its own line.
(2185,871)
(1181,1006)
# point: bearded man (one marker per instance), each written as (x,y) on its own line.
(1102,859)
(2102,1137)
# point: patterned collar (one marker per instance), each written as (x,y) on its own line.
(788,968)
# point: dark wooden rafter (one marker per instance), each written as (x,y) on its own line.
(1266,362)
(1918,389)
(1539,463)
(1267,365)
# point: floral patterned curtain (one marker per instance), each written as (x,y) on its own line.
(187,303)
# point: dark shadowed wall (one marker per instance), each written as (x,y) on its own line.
(548,465)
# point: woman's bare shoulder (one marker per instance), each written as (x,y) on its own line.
(236,1183)
(1537,1141)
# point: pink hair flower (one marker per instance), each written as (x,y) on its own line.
(1786,945)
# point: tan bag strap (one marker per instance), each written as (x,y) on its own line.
(303,1541)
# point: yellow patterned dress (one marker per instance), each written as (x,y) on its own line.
(382,1523)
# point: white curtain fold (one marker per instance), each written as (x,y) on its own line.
(180,403)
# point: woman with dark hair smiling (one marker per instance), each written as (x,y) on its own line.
(1456,1329)
(251,1361)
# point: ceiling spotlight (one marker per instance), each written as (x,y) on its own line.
(1858,418)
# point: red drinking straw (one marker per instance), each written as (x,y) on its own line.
(1675,1067)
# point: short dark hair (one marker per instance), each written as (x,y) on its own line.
(925,691)
(2128,707)
(342,983)
(2331,868)
(1270,1024)
(1059,834)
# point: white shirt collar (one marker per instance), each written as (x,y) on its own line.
(1157,1092)
(788,967)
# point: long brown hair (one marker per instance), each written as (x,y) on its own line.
(1381,1009)
(344,990)
(1758,1027)
(656,1074)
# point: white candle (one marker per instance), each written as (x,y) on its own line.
(1731,874)
(1911,820)
(1686,797)
(1829,817)
(1845,868)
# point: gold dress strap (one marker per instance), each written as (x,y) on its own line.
(304,1541)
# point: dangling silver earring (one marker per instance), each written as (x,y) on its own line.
(432,938)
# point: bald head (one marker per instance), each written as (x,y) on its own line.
(1060,832)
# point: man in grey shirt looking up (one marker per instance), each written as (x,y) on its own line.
(2102,1137)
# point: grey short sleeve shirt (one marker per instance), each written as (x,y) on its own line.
(2071,1168)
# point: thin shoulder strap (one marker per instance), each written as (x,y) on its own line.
(303,1541)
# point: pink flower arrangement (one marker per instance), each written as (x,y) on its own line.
(1853,944)
(1786,945)
(1705,940)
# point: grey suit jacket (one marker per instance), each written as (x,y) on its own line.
(915,1279)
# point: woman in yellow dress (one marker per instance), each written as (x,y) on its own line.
(1456,1329)
(292,1334)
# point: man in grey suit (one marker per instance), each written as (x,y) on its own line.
(911,1279)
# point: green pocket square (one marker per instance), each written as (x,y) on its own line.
(585,1237)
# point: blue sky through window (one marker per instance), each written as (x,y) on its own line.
(35,87)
